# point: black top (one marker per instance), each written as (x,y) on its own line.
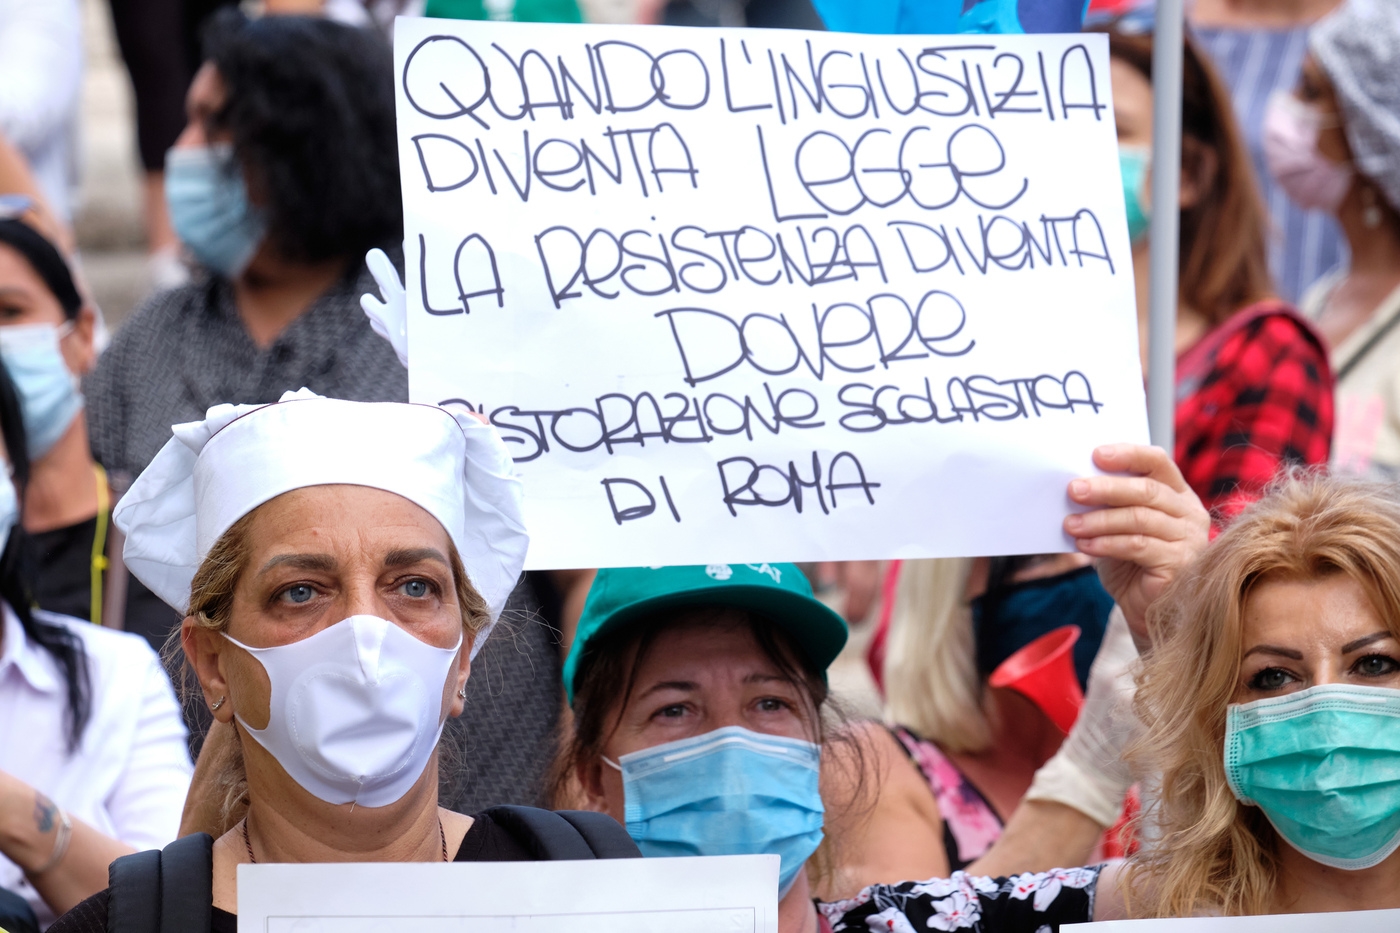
(486,841)
(62,578)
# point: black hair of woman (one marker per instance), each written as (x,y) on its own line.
(46,261)
(62,645)
(310,107)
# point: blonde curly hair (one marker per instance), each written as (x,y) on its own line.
(1213,853)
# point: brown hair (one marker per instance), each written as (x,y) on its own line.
(211,606)
(1214,853)
(1223,264)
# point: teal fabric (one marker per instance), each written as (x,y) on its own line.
(1324,766)
(778,592)
(727,792)
(1133,162)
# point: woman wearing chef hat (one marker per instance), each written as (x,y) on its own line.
(339,563)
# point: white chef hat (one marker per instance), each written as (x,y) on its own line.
(215,471)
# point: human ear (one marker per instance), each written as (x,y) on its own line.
(79,348)
(589,775)
(202,648)
(1199,166)
(464,671)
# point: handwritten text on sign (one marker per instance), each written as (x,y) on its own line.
(737,295)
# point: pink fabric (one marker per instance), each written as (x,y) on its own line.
(971,821)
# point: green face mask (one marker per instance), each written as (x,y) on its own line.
(1324,766)
(1133,163)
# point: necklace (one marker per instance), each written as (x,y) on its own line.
(248,843)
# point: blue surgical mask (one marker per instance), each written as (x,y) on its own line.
(209,207)
(48,391)
(1322,764)
(1133,163)
(727,792)
(1022,612)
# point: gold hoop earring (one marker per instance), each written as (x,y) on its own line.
(217,703)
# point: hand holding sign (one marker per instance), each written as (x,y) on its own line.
(747,295)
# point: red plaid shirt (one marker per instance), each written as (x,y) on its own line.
(1252,396)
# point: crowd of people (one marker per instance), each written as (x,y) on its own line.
(233,632)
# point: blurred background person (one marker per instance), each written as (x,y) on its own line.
(159,42)
(1254,390)
(1258,46)
(285,176)
(93,762)
(46,342)
(1335,144)
(258,189)
(41,69)
(961,753)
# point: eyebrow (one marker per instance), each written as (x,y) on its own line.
(761,678)
(323,563)
(1349,647)
(1274,649)
(682,685)
(404,557)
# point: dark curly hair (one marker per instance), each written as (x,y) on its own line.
(310,107)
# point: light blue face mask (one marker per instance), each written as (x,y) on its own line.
(209,207)
(48,392)
(1324,766)
(1133,163)
(727,792)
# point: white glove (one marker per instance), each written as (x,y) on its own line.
(389,317)
(1088,773)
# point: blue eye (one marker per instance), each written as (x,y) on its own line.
(417,589)
(300,593)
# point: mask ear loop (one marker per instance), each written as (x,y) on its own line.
(612,764)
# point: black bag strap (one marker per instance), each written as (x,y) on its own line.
(565,835)
(187,885)
(604,835)
(163,891)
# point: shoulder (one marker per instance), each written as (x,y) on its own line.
(1270,337)
(1026,902)
(1277,325)
(120,664)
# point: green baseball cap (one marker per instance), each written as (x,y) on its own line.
(778,592)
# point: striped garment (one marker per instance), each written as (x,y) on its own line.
(1303,245)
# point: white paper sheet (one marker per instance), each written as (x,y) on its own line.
(1352,921)
(725,894)
(891,274)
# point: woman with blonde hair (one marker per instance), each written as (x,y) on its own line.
(1292,626)
(1268,702)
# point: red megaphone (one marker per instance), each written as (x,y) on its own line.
(1043,672)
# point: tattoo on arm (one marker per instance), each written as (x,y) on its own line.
(45,813)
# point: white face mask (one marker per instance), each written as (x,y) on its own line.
(356,709)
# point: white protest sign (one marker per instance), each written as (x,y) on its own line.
(721,894)
(1355,921)
(755,295)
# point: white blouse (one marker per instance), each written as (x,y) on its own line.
(130,773)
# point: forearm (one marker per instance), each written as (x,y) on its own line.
(1040,835)
(31,831)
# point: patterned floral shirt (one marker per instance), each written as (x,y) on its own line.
(1029,903)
